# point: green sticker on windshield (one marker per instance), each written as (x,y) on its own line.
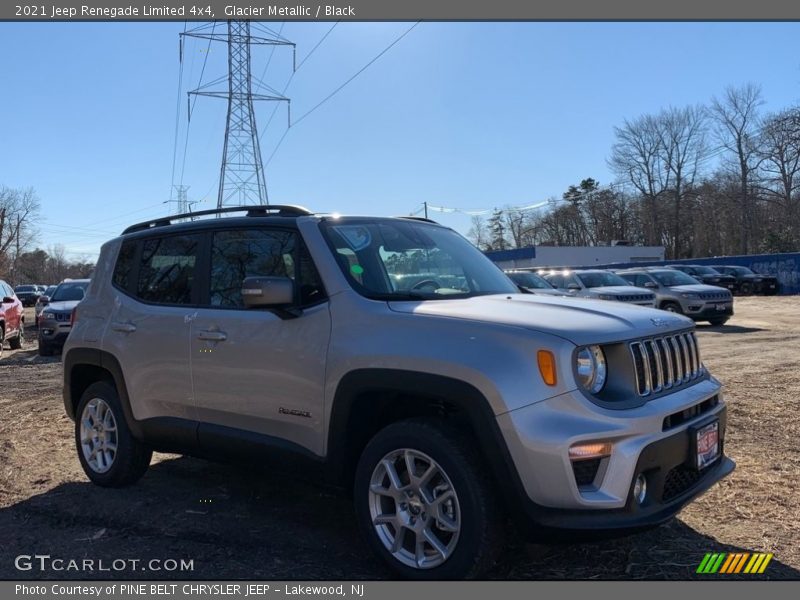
(357,270)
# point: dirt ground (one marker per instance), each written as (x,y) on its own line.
(234,523)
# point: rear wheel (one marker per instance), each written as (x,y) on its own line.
(16,342)
(424,503)
(672,307)
(108,452)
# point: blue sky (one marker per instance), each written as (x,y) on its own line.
(472,115)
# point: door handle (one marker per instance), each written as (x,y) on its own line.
(123,327)
(212,336)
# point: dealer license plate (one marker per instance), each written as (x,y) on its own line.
(707,444)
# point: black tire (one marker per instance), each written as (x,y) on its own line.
(2,339)
(16,342)
(132,458)
(672,307)
(718,322)
(45,349)
(481,532)
(746,288)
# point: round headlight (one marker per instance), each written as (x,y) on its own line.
(591,368)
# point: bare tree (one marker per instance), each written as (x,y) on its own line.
(781,165)
(479,232)
(18,210)
(736,117)
(682,132)
(637,158)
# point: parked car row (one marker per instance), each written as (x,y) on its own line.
(671,288)
(53,313)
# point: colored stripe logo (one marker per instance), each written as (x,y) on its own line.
(735,562)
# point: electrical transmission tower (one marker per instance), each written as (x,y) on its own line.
(241,180)
(182,199)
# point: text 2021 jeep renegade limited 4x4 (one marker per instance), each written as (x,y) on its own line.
(446,403)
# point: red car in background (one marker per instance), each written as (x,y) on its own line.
(12,320)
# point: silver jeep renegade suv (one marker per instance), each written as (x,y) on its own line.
(447,402)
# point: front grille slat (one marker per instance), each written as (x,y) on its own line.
(664,362)
(669,376)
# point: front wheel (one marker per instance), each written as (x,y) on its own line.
(108,452)
(425,505)
(45,349)
(16,342)
(718,322)
(672,307)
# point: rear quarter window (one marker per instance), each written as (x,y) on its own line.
(167,269)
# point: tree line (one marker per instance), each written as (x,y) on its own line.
(20,260)
(703,180)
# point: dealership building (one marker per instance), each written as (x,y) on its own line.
(574,256)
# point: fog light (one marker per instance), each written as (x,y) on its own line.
(640,489)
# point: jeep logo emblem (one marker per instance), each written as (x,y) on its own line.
(659,322)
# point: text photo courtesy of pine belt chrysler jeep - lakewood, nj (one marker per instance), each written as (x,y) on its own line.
(390,357)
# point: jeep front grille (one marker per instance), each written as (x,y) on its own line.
(663,362)
(715,295)
(636,298)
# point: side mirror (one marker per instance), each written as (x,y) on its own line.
(650,284)
(8,300)
(573,286)
(44,300)
(269,292)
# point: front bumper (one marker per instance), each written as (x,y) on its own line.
(701,312)
(53,333)
(539,437)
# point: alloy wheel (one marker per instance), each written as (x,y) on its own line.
(98,435)
(414,508)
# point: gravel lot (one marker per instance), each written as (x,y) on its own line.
(236,524)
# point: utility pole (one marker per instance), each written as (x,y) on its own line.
(16,253)
(241,180)
(425,204)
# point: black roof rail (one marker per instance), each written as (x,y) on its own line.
(257,210)
(423,219)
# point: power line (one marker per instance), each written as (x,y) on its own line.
(291,76)
(341,87)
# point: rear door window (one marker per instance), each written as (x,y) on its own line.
(167,269)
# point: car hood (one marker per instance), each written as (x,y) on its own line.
(698,288)
(65,306)
(579,320)
(618,290)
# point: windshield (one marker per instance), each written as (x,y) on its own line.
(742,270)
(49,291)
(388,259)
(670,278)
(25,288)
(600,279)
(66,292)
(700,270)
(530,280)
